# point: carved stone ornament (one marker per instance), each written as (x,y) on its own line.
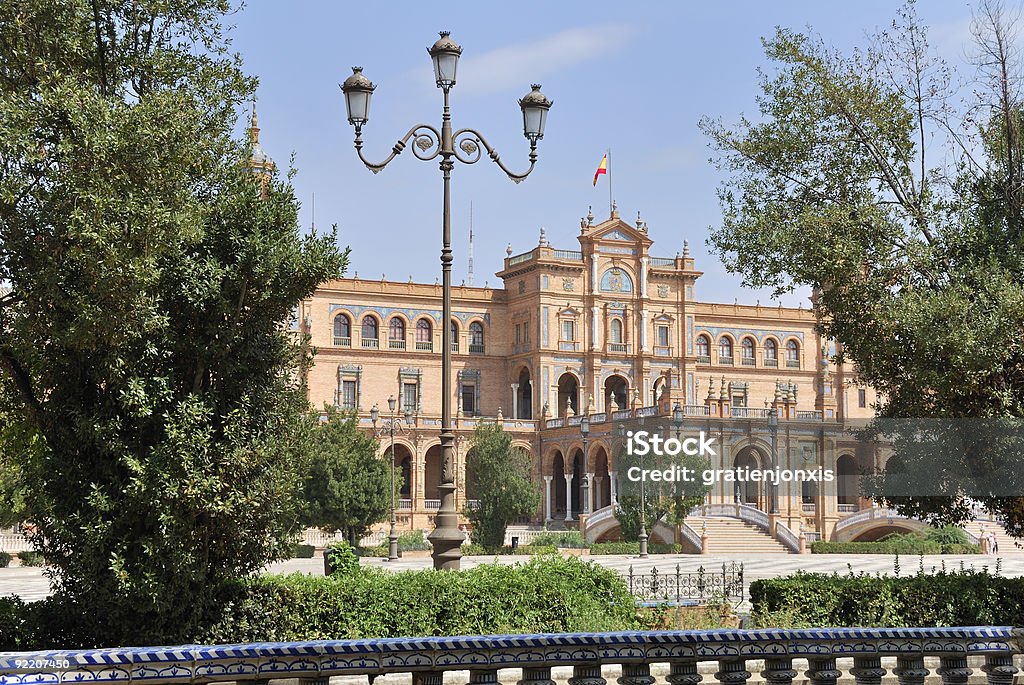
(568,284)
(662,291)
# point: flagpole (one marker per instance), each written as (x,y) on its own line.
(610,200)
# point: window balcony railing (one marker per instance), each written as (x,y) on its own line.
(340,341)
(618,347)
(809,507)
(476,349)
(703,359)
(455,346)
(792,363)
(748,361)
(405,504)
(424,346)
(432,504)
(820,655)
(396,344)
(725,361)
(844,508)
(567,346)
(371,343)
(772,363)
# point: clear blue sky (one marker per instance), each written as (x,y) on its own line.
(632,77)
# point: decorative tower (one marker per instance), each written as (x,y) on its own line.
(260,162)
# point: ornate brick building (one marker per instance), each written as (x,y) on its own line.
(613,331)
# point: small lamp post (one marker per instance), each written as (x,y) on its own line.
(465,145)
(585,432)
(677,419)
(773,488)
(391,425)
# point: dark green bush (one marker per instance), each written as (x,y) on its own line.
(5,559)
(412,541)
(949,540)
(378,551)
(301,551)
(965,598)
(340,559)
(471,549)
(947,535)
(566,539)
(634,548)
(545,594)
(31,558)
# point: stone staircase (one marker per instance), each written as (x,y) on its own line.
(735,537)
(1007,546)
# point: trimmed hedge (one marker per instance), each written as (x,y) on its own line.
(31,558)
(301,551)
(634,548)
(814,600)
(948,540)
(547,594)
(565,539)
(5,559)
(474,550)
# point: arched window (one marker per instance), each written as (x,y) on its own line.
(793,354)
(725,351)
(747,351)
(396,334)
(342,331)
(616,331)
(703,349)
(771,353)
(455,336)
(369,332)
(424,336)
(476,338)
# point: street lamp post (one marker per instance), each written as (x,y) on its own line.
(773,488)
(389,426)
(585,432)
(464,145)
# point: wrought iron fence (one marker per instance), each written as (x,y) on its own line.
(699,586)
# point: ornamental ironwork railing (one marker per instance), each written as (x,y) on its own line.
(819,652)
(683,587)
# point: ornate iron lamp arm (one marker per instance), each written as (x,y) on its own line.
(469,141)
(426,146)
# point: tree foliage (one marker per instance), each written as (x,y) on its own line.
(153,391)
(498,476)
(348,487)
(896,196)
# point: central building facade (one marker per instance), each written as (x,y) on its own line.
(609,329)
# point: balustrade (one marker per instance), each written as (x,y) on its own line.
(430,659)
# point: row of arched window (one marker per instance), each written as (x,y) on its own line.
(370,334)
(748,347)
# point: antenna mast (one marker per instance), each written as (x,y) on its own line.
(470,279)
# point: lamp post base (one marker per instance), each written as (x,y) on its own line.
(393,545)
(446,540)
(643,543)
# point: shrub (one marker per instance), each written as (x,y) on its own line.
(472,549)
(634,548)
(378,551)
(340,559)
(301,551)
(413,541)
(948,540)
(566,539)
(5,559)
(858,600)
(544,594)
(31,558)
(947,535)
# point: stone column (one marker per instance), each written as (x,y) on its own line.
(613,481)
(598,480)
(822,671)
(643,330)
(568,497)
(591,495)
(515,400)
(547,497)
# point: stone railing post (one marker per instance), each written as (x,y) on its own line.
(636,674)
(534,675)
(778,671)
(587,674)
(683,673)
(822,671)
(867,670)
(732,672)
(954,670)
(910,670)
(999,668)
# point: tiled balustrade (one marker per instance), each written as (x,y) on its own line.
(429,659)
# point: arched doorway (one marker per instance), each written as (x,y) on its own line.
(658,388)
(402,460)
(558,486)
(577,483)
(747,492)
(432,477)
(616,390)
(847,477)
(602,480)
(524,396)
(568,394)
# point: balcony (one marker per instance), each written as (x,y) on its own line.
(725,361)
(792,363)
(748,361)
(476,348)
(340,341)
(662,351)
(396,344)
(424,346)
(370,343)
(771,363)
(618,348)
(704,359)
(432,504)
(404,504)
(455,346)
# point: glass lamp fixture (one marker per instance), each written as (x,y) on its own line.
(445,55)
(535,106)
(357,89)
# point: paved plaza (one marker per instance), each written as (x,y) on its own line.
(30,584)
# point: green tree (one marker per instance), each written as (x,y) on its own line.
(499,477)
(861,180)
(154,389)
(348,487)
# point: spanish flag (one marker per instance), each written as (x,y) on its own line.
(602,168)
